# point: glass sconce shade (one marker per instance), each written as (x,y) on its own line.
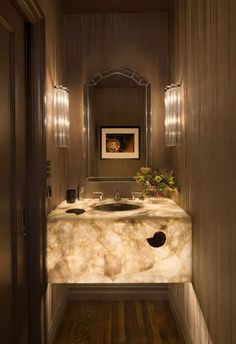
(61,116)
(172,115)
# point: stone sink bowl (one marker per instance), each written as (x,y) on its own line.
(117,206)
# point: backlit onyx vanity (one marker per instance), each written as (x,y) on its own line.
(150,244)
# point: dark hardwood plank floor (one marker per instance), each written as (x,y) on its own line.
(118,322)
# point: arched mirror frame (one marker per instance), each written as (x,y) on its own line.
(127,73)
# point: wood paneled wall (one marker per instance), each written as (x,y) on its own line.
(54,76)
(95,42)
(203,58)
(57,156)
(56,302)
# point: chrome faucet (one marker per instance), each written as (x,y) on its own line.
(117,196)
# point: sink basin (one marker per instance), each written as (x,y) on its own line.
(117,206)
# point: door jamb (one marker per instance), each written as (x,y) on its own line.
(36,167)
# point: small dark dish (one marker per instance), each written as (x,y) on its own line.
(76,211)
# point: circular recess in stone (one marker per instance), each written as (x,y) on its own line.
(76,211)
(117,207)
(158,239)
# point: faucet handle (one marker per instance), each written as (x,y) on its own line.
(100,194)
(132,196)
(139,194)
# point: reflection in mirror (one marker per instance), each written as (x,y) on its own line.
(117,125)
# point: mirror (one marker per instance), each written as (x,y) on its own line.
(116,125)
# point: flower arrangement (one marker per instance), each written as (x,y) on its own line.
(156,182)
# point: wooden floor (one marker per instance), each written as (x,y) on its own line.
(118,322)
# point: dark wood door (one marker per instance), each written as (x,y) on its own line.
(13,273)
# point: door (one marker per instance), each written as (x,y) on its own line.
(13,272)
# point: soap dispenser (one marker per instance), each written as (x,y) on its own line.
(80,190)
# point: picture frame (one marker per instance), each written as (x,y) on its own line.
(120,142)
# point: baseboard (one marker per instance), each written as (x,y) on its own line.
(179,320)
(58,318)
(118,292)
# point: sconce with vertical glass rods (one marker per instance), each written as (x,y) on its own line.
(172,115)
(61,116)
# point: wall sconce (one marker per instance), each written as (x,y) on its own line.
(61,116)
(172,115)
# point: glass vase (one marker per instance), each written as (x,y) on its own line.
(154,196)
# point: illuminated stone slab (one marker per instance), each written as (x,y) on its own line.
(112,247)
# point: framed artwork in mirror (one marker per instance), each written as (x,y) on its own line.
(120,143)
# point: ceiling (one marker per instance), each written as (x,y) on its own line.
(114,6)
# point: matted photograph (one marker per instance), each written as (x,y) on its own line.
(120,143)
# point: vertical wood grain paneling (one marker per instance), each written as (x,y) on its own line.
(54,76)
(57,156)
(204,59)
(95,42)
(56,304)
(185,306)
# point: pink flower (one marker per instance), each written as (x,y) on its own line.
(145,169)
